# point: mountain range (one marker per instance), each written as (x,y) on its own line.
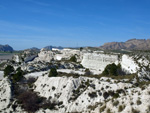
(132,44)
(6,48)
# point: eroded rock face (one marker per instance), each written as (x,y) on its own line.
(98,61)
(5,93)
(128,64)
(47,56)
(44,55)
(76,93)
(85,94)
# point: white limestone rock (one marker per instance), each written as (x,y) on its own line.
(128,64)
(64,87)
(44,55)
(5,93)
(98,61)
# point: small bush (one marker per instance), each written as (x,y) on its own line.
(108,110)
(102,108)
(116,95)
(8,70)
(105,95)
(49,105)
(116,103)
(73,59)
(120,108)
(53,72)
(138,102)
(135,111)
(18,76)
(53,88)
(30,101)
(113,69)
(92,94)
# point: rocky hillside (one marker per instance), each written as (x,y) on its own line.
(33,87)
(6,48)
(133,44)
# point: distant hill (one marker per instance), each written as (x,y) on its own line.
(50,47)
(6,48)
(33,49)
(132,44)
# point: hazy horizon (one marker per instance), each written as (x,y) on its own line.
(72,23)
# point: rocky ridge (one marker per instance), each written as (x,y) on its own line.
(6,48)
(133,44)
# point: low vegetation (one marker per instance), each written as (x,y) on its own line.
(113,69)
(88,72)
(121,108)
(73,59)
(8,70)
(14,75)
(53,72)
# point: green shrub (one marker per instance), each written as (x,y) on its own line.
(92,95)
(116,95)
(81,48)
(8,70)
(113,69)
(138,102)
(73,59)
(135,111)
(116,103)
(18,75)
(53,72)
(110,69)
(106,95)
(30,101)
(121,108)
(108,111)
(102,108)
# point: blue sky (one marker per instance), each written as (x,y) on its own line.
(38,23)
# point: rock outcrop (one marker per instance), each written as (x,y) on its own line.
(5,93)
(98,61)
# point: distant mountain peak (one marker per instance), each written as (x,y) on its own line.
(6,48)
(132,44)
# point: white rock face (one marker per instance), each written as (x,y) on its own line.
(128,64)
(44,55)
(80,72)
(135,99)
(98,61)
(5,93)
(68,53)
(1,75)
(144,73)
(47,56)
(64,86)
(16,58)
